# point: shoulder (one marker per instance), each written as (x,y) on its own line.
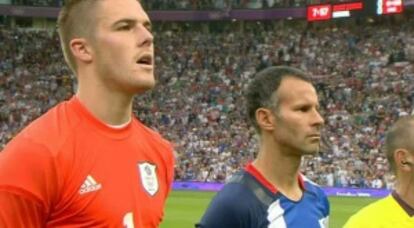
(150,133)
(36,147)
(375,207)
(236,196)
(369,215)
(231,207)
(28,163)
(313,187)
(317,195)
(154,140)
(49,131)
(160,149)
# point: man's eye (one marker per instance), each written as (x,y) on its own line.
(124,27)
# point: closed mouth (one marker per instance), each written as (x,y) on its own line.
(314,136)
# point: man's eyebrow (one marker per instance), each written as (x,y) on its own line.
(148,24)
(130,21)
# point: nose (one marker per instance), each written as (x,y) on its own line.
(145,37)
(318,119)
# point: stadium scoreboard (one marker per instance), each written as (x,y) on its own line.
(330,11)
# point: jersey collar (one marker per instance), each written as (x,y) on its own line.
(407,208)
(262,180)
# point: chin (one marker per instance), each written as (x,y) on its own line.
(311,151)
(142,88)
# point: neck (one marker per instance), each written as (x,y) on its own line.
(405,189)
(279,169)
(111,107)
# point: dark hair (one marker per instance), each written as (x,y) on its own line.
(399,136)
(260,92)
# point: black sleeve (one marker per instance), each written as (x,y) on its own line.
(229,208)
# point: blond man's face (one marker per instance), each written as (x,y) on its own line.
(123,50)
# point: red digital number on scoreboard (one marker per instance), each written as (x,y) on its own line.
(348,6)
(319,12)
(392,6)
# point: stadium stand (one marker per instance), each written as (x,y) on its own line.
(362,73)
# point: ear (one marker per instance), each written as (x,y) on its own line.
(402,159)
(81,50)
(265,119)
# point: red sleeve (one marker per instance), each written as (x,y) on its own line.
(19,210)
(28,185)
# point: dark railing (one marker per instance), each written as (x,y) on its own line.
(193,4)
(229,11)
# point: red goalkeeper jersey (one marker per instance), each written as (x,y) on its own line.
(68,169)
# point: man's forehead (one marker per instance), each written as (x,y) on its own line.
(289,79)
(114,10)
(294,87)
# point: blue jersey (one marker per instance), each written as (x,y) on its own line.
(249,200)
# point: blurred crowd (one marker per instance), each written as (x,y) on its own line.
(362,74)
(49,3)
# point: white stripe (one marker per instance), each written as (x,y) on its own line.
(89,183)
(379,7)
(338,14)
(90,178)
(275,215)
(324,222)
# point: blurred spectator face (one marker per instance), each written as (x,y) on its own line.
(297,120)
(122,47)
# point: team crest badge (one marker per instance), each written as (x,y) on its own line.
(149,180)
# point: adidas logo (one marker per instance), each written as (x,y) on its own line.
(89,185)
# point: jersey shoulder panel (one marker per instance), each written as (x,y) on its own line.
(234,206)
(53,128)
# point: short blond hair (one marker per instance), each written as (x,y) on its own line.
(76,19)
(399,136)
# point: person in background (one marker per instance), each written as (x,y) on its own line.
(397,209)
(282,104)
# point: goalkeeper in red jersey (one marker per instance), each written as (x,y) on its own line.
(88,162)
